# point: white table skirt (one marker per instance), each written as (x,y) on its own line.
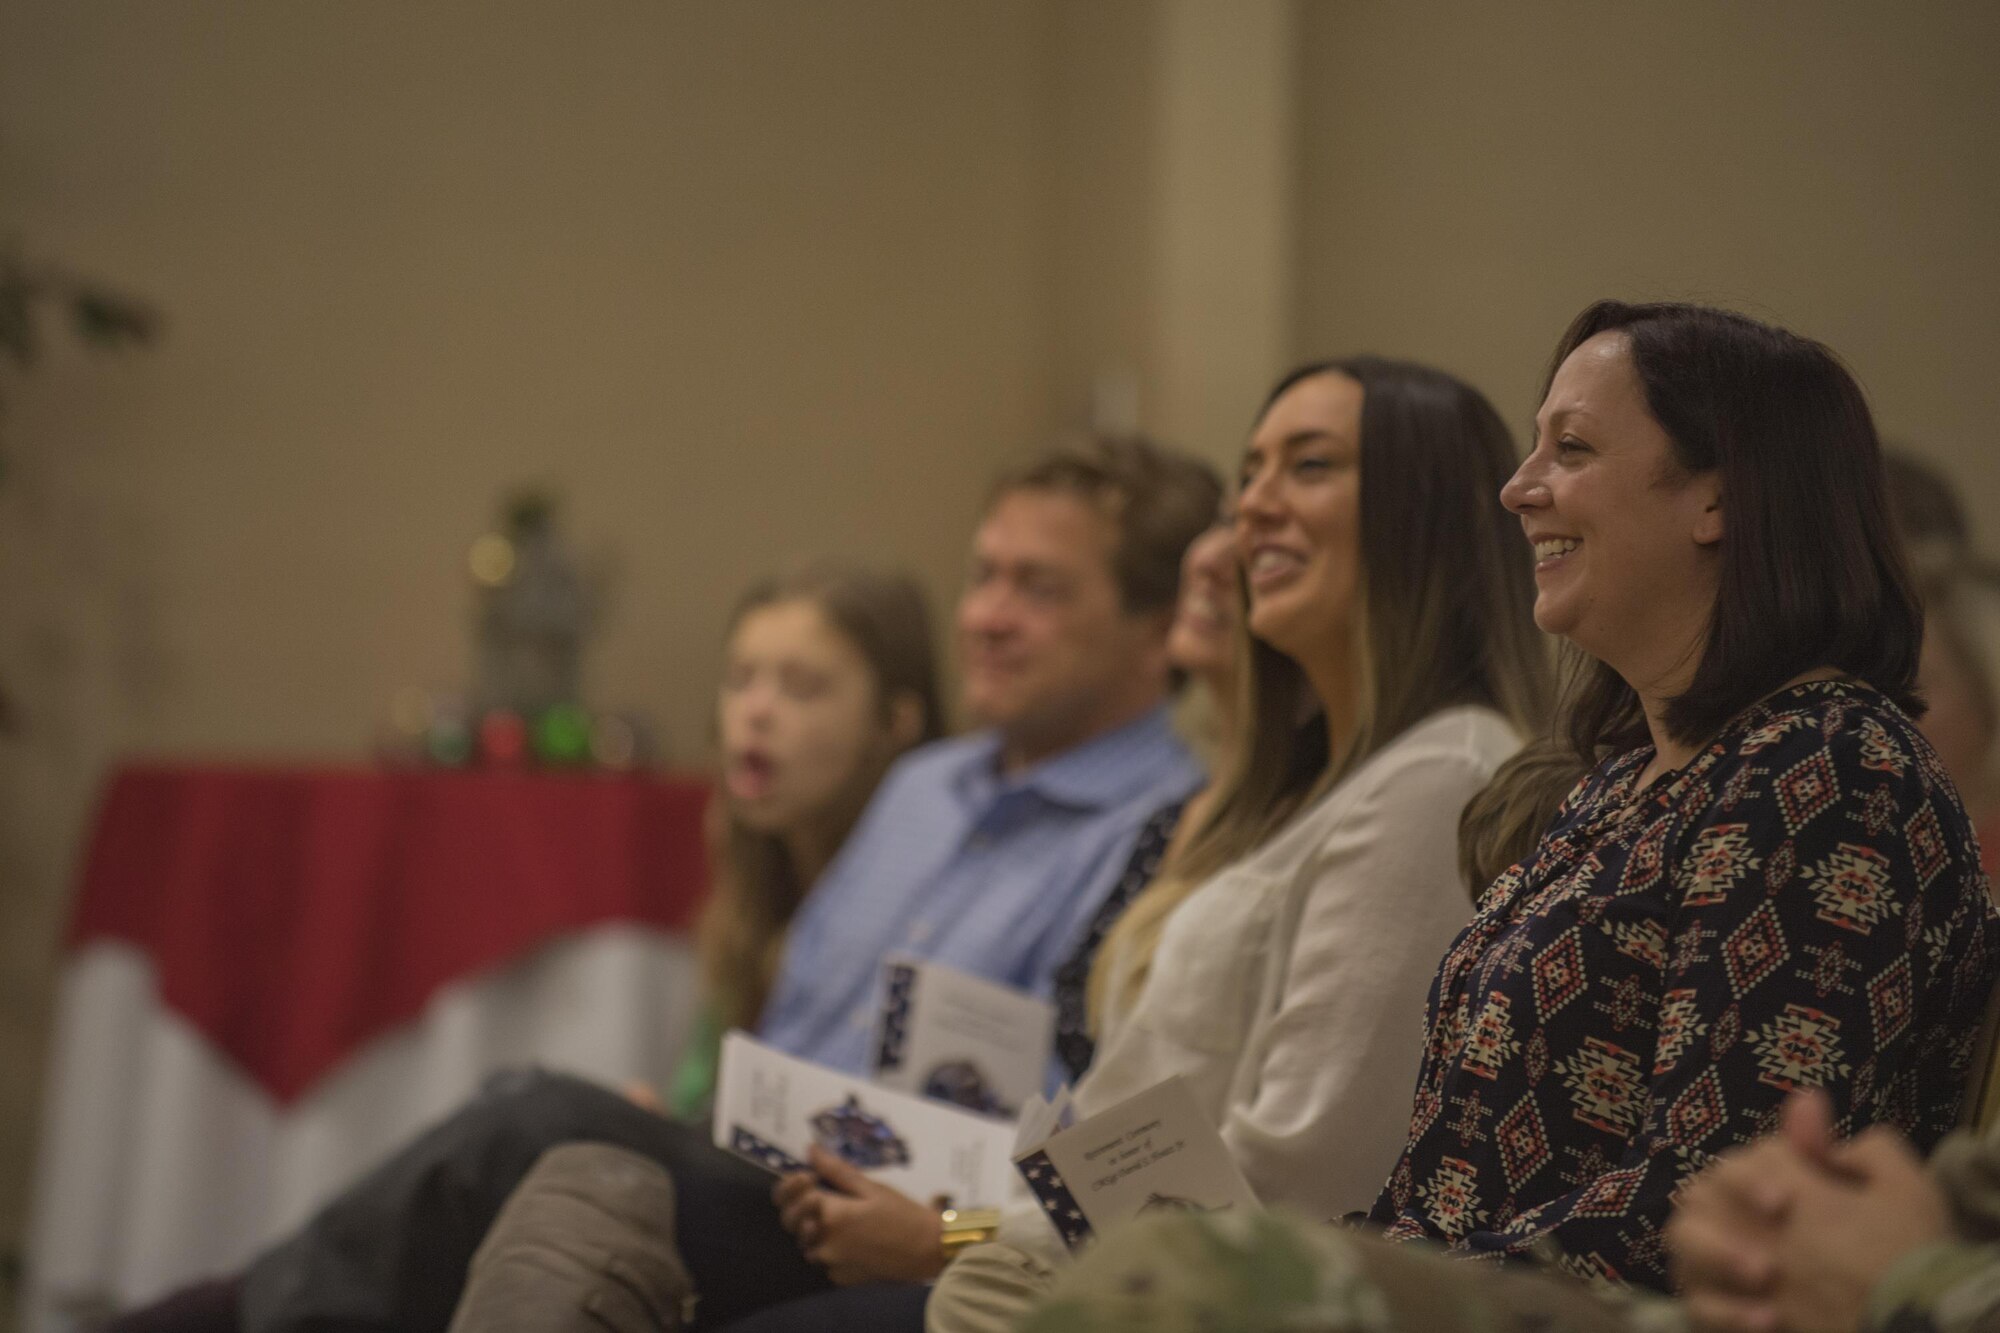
(161,1163)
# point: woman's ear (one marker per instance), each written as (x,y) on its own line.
(906,719)
(1708,520)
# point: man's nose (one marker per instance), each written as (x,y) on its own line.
(986,611)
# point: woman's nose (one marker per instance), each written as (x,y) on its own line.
(1524,490)
(1257,500)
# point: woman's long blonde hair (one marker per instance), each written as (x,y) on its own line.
(754,887)
(1445,615)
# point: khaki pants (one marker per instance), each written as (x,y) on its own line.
(585,1244)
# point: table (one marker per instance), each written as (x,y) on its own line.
(274,976)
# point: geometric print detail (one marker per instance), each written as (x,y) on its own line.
(1805,789)
(1828,974)
(1642,941)
(1754,950)
(1878,812)
(1470,1125)
(1699,1111)
(1630,1004)
(1643,866)
(1800,1048)
(1524,1143)
(1609,1195)
(1604,1086)
(1680,1023)
(1491,1042)
(1780,866)
(1763,737)
(1890,1001)
(1880,753)
(1728,1031)
(1926,839)
(1854,887)
(1559,974)
(1719,857)
(1451,1196)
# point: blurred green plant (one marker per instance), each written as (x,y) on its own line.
(32,293)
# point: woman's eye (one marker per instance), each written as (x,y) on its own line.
(1568,445)
(1046,591)
(803,684)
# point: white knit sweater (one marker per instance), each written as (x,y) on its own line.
(1288,990)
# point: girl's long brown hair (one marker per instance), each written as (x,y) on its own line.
(753,885)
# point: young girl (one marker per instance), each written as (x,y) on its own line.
(827,677)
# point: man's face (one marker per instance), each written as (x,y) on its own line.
(1050,657)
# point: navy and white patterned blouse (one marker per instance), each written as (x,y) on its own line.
(1800,905)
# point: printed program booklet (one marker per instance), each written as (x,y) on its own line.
(770,1107)
(944,1034)
(1154,1152)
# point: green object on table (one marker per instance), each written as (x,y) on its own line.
(562,735)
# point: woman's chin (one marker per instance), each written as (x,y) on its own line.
(760,813)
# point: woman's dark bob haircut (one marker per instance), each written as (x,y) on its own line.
(1812,573)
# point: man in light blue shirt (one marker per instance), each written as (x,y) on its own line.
(989,853)
(958,862)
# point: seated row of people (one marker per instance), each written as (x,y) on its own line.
(1763,881)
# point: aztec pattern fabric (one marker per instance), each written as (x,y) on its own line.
(1799,905)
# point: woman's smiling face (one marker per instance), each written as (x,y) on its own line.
(1298,517)
(1626,541)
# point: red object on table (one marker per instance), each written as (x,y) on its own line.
(293,915)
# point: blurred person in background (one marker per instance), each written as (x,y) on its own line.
(828,676)
(1961,595)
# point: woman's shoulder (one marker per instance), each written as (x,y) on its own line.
(1442,760)
(1468,735)
(1839,725)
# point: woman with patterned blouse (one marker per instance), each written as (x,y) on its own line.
(1766,883)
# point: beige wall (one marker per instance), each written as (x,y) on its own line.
(1473,174)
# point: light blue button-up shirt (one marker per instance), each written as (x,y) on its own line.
(956,864)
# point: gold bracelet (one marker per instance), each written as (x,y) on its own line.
(961,1227)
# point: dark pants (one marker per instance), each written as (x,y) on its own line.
(391,1252)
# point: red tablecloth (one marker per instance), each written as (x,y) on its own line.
(292,915)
